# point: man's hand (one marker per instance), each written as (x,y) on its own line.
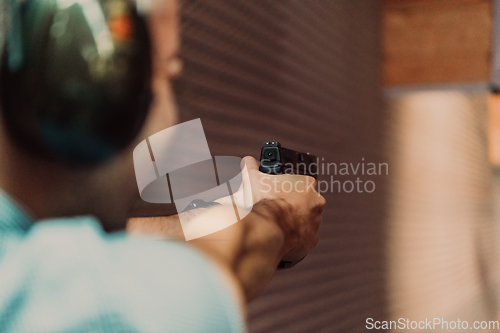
(297,207)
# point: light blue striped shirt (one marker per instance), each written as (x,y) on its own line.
(67,275)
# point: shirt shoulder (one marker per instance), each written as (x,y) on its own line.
(69,272)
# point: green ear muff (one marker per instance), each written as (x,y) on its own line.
(75,77)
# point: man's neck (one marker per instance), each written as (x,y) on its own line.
(45,189)
(51,189)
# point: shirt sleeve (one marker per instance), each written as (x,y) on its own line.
(168,286)
(69,276)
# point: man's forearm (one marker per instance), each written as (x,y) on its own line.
(164,226)
(251,248)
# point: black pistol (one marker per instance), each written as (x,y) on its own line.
(276,160)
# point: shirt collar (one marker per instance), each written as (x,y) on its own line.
(13,217)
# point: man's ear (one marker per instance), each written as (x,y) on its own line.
(163,111)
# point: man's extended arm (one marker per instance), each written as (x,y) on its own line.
(281,225)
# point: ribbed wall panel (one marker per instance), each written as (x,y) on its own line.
(305,73)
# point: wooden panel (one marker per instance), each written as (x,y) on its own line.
(434,42)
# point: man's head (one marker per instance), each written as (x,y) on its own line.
(50,188)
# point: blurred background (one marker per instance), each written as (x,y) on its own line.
(403,82)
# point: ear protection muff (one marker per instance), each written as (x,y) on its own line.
(75,77)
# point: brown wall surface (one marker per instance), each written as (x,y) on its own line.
(436,41)
(305,73)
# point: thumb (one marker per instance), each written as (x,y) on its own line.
(244,196)
(251,163)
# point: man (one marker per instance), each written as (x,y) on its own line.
(59,272)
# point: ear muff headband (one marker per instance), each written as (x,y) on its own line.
(75,77)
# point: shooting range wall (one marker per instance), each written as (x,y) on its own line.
(305,73)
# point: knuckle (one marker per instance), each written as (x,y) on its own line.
(314,240)
(311,179)
(251,163)
(249,158)
(318,223)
